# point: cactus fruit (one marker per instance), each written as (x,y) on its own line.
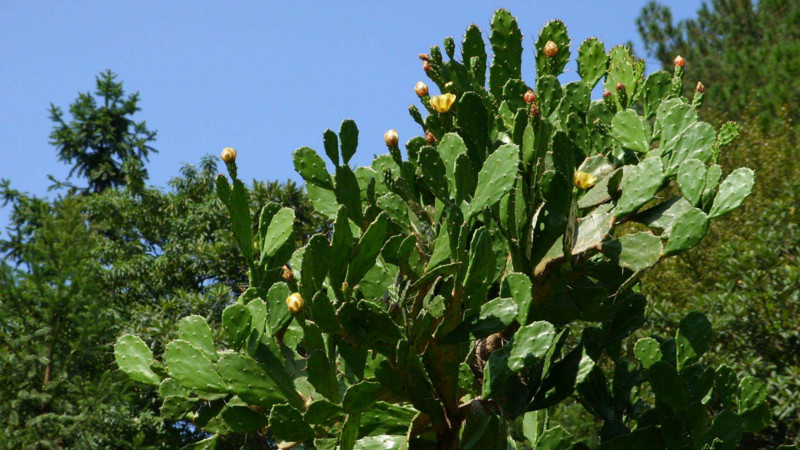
(439,306)
(442,103)
(421,89)
(228,155)
(426,66)
(391,138)
(529,97)
(295,303)
(550,49)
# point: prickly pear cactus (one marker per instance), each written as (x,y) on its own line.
(438,313)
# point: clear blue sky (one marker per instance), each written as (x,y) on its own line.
(263,77)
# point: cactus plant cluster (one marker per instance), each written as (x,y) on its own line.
(482,277)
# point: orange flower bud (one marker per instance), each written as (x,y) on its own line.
(228,155)
(426,66)
(550,49)
(679,61)
(529,97)
(421,89)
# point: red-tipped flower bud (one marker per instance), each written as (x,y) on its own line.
(426,66)
(391,138)
(421,89)
(430,138)
(424,56)
(295,303)
(534,110)
(287,274)
(607,93)
(679,61)
(620,86)
(228,155)
(550,49)
(700,88)
(529,97)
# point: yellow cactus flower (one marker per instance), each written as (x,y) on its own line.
(295,303)
(583,180)
(442,103)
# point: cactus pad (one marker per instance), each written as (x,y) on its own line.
(635,252)
(506,40)
(348,138)
(279,231)
(245,378)
(496,179)
(631,130)
(287,424)
(648,351)
(311,167)
(195,329)
(591,61)
(192,368)
(554,31)
(687,231)
(134,358)
(732,191)
(693,338)
(640,187)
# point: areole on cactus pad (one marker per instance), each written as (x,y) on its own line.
(485,276)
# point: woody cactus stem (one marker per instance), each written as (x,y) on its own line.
(438,310)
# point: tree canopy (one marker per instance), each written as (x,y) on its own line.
(102,142)
(118,256)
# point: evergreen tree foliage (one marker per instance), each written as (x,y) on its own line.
(102,141)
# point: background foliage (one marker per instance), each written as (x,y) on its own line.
(93,263)
(745,274)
